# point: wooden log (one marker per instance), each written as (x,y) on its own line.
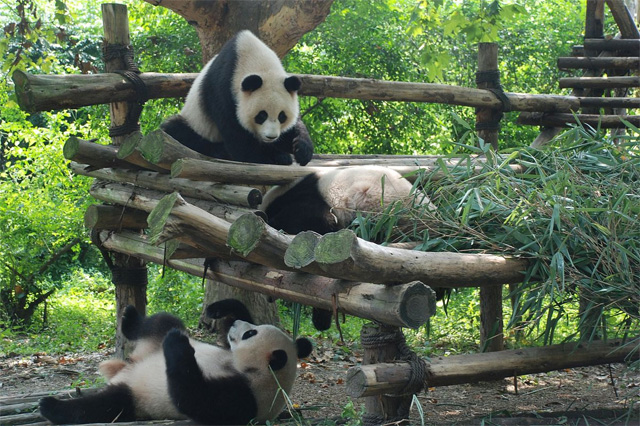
(613,102)
(162,150)
(230,194)
(614,63)
(367,380)
(623,18)
(52,92)
(624,45)
(487,119)
(101,216)
(408,305)
(342,254)
(599,82)
(147,199)
(94,154)
(42,93)
(129,274)
(128,152)
(567,120)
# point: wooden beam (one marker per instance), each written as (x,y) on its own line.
(599,82)
(407,305)
(367,380)
(44,93)
(614,63)
(623,18)
(566,120)
(625,45)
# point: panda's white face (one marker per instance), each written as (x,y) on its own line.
(255,349)
(268,105)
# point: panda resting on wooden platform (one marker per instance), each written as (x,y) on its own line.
(243,107)
(171,376)
(330,200)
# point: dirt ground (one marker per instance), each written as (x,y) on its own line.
(320,390)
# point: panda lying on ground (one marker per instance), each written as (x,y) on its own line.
(330,200)
(171,376)
(243,107)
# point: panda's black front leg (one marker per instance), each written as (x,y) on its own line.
(112,404)
(225,400)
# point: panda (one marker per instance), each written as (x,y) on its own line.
(330,200)
(243,107)
(172,376)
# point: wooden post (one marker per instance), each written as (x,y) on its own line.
(380,343)
(129,274)
(487,125)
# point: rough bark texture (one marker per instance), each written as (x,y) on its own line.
(279,23)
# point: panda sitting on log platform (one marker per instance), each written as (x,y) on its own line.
(243,107)
(171,376)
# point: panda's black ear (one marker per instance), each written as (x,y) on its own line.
(292,84)
(304,347)
(251,83)
(278,359)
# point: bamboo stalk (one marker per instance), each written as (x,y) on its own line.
(407,305)
(367,380)
(43,93)
(233,194)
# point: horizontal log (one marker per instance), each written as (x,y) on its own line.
(43,93)
(147,199)
(224,171)
(408,305)
(52,92)
(343,255)
(230,194)
(102,216)
(614,63)
(162,150)
(622,45)
(567,120)
(612,102)
(598,82)
(376,379)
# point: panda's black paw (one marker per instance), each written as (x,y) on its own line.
(282,158)
(131,321)
(177,349)
(302,150)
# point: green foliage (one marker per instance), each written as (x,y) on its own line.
(571,210)
(176,292)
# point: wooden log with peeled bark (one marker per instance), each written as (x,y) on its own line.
(147,199)
(162,150)
(376,379)
(98,156)
(598,82)
(42,93)
(229,194)
(567,120)
(406,305)
(342,254)
(109,217)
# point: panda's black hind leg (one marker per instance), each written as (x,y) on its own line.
(112,404)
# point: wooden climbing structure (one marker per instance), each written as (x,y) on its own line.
(199,214)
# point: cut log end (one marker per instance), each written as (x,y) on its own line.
(335,247)
(413,310)
(71,147)
(300,252)
(245,233)
(159,215)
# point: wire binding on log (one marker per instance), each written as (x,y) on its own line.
(131,73)
(493,77)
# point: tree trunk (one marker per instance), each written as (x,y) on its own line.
(280,24)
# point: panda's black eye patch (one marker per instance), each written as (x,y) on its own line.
(249,334)
(282,117)
(261,117)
